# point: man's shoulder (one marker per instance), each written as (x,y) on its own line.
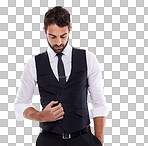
(90,54)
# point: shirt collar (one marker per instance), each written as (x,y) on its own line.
(67,51)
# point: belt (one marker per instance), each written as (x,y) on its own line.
(67,135)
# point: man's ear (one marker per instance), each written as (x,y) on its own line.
(70,28)
(44,30)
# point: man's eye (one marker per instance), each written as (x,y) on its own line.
(52,37)
(63,36)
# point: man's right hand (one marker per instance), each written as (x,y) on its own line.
(51,113)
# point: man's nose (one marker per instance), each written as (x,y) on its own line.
(58,42)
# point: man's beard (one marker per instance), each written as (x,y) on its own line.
(62,45)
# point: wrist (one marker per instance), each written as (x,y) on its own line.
(35,116)
(38,116)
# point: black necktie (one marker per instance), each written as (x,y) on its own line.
(61,71)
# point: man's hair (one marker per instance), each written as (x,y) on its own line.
(57,15)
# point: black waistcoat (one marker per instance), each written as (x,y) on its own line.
(72,96)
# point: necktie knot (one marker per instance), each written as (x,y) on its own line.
(59,55)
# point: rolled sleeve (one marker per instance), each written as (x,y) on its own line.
(19,108)
(100,111)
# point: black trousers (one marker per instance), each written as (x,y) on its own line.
(87,139)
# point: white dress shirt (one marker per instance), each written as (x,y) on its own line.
(29,81)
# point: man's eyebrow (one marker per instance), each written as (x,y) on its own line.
(51,34)
(55,35)
(63,34)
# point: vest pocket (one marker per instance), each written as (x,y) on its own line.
(82,112)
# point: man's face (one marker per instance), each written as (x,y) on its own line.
(57,37)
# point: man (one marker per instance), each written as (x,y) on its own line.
(63,75)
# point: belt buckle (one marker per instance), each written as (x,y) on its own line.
(66,135)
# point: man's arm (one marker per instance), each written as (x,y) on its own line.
(26,89)
(99,126)
(100,109)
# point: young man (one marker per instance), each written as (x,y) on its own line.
(64,74)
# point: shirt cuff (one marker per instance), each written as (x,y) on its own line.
(19,108)
(100,112)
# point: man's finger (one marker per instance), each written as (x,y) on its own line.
(57,107)
(58,111)
(52,103)
(60,118)
(60,114)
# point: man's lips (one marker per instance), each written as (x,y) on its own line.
(58,47)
